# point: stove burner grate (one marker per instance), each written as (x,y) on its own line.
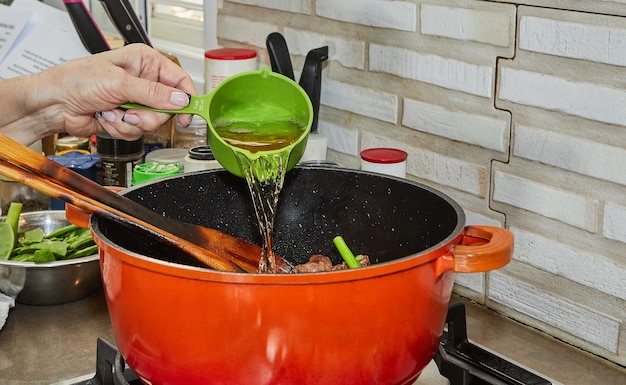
(458,360)
(464,363)
(110,367)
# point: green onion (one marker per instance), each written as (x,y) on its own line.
(345,252)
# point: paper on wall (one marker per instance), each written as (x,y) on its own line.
(46,38)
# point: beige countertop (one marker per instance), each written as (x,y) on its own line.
(48,344)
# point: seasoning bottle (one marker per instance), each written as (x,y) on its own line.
(119,158)
(390,161)
(223,62)
(168,155)
(83,163)
(192,136)
(161,138)
(146,172)
(200,158)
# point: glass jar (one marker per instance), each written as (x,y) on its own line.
(119,158)
(192,136)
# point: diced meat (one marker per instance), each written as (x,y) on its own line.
(316,264)
(320,263)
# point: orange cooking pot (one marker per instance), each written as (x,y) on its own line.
(178,323)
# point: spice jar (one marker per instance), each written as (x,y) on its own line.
(192,136)
(224,62)
(168,155)
(146,172)
(390,161)
(119,158)
(199,159)
(85,164)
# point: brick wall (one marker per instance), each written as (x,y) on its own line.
(517,111)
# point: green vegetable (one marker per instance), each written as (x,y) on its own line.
(345,252)
(8,230)
(13,215)
(43,256)
(32,236)
(7,240)
(34,246)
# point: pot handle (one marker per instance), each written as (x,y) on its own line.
(80,217)
(482,248)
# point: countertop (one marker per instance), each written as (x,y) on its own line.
(49,344)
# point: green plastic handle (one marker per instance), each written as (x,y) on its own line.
(198,105)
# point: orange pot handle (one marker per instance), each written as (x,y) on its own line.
(80,217)
(482,248)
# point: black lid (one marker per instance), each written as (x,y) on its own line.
(201,153)
(108,145)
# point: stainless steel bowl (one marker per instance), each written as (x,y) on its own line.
(49,283)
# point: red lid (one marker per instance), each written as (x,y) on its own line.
(384,155)
(230,54)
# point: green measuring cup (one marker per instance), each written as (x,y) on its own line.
(260,96)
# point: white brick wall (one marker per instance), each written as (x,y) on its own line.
(586,157)
(600,44)
(297,6)
(615,223)
(586,100)
(400,15)
(350,53)
(586,324)
(444,72)
(581,266)
(465,127)
(494,28)
(546,200)
(360,100)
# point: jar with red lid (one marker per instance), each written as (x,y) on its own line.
(390,161)
(224,62)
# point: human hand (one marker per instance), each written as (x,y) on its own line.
(81,97)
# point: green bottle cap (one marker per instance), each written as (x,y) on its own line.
(146,172)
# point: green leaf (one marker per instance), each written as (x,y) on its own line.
(13,216)
(32,236)
(7,240)
(43,256)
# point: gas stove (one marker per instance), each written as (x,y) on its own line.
(458,361)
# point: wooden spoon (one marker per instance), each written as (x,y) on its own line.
(213,248)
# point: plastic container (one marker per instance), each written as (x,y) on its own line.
(199,159)
(78,161)
(192,136)
(161,138)
(390,161)
(119,158)
(146,172)
(69,142)
(224,62)
(168,155)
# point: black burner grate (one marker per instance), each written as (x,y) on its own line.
(110,367)
(463,363)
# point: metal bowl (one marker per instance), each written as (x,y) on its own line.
(49,283)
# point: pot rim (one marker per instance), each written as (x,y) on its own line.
(442,248)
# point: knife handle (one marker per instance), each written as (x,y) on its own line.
(87,29)
(126,21)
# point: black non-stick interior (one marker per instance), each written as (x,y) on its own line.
(384,217)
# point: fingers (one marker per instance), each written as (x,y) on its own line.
(130,125)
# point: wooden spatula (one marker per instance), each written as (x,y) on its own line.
(213,248)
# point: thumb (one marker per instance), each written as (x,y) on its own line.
(156,95)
